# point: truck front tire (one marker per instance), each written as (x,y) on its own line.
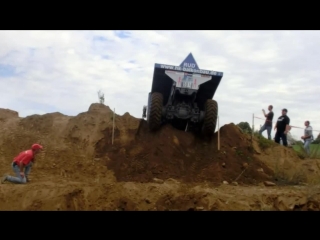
(155,115)
(210,118)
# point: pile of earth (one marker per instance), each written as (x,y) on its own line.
(81,147)
(170,153)
(80,168)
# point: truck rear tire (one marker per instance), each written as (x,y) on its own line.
(210,118)
(155,115)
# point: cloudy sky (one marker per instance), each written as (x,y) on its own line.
(62,71)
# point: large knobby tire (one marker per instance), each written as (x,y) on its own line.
(155,115)
(210,118)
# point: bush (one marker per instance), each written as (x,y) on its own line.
(245,127)
(317,141)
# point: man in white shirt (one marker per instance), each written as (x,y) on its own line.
(307,137)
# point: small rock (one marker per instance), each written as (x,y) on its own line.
(269,184)
(223,164)
(260,170)
(225,182)
(147,201)
(234,183)
(245,165)
(199,208)
(157,180)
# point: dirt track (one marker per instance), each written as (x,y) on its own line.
(169,170)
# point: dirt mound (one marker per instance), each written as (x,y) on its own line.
(81,169)
(170,153)
(288,168)
(76,146)
(7,113)
(69,142)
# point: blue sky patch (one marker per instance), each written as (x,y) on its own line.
(122,34)
(7,70)
(31,51)
(100,38)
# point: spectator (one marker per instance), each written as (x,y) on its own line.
(307,137)
(282,127)
(268,123)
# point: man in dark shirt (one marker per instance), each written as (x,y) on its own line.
(282,127)
(268,124)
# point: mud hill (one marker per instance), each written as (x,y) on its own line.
(79,150)
(72,143)
(171,153)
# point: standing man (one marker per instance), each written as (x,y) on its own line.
(21,165)
(282,127)
(268,123)
(307,137)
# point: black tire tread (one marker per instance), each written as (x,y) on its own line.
(210,119)
(155,111)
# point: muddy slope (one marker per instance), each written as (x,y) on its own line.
(80,169)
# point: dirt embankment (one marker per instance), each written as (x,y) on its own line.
(171,153)
(81,169)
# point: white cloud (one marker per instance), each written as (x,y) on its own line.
(63,70)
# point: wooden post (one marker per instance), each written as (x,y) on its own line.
(218,135)
(114,115)
(252,127)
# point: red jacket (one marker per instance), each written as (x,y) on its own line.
(25,157)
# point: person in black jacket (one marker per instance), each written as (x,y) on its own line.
(282,127)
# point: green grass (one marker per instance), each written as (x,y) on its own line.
(264,143)
(314,150)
